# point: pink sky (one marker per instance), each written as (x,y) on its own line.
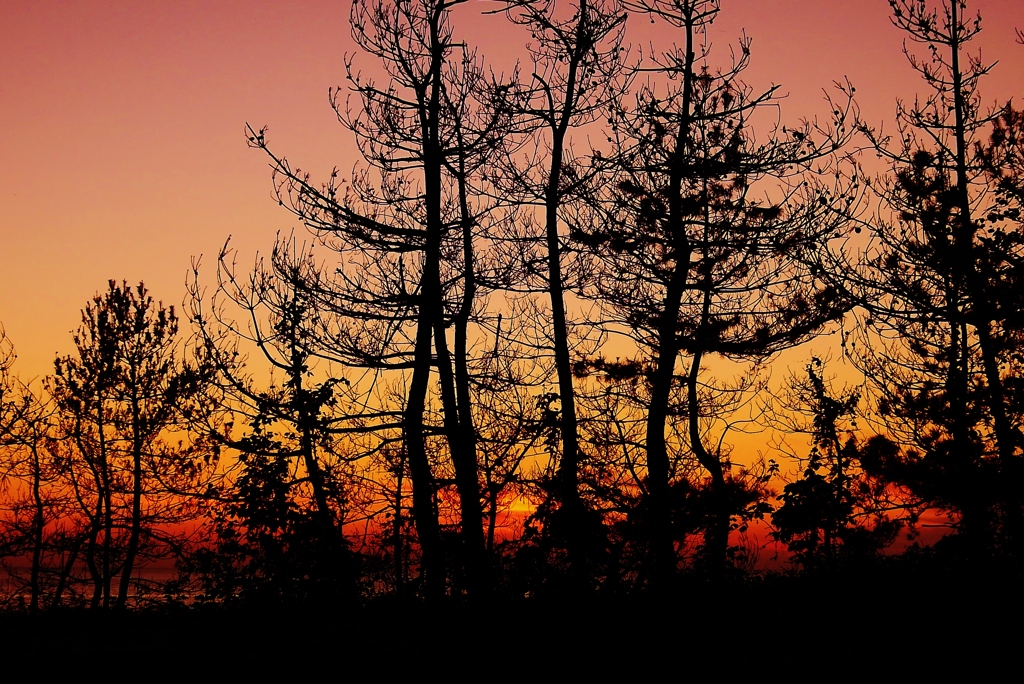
(122,152)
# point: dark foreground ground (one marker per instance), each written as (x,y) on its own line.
(768,628)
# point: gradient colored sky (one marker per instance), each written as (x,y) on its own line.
(122,153)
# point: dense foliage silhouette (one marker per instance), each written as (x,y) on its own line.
(518,353)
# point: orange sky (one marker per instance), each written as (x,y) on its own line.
(122,152)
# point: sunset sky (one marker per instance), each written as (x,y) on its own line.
(122,152)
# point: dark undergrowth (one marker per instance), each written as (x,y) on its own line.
(902,619)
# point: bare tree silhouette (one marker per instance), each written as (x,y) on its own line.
(117,398)
(406,229)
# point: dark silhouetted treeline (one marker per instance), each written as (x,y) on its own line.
(523,349)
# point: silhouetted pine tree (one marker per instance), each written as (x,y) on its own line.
(713,248)
(939,284)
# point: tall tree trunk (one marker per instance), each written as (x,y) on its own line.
(716,537)
(429,313)
(658,466)
(464,461)
(136,522)
(667,352)
(399,541)
(982,318)
(567,484)
(106,508)
(466,465)
(424,507)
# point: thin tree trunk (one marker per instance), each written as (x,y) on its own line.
(430,311)
(37,529)
(65,574)
(106,508)
(716,540)
(492,518)
(567,484)
(136,522)
(424,508)
(1006,439)
(466,482)
(469,485)
(399,544)
(658,467)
